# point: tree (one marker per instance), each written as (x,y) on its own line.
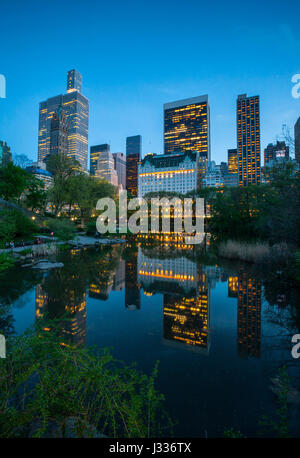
(85,191)
(36,196)
(63,168)
(21,160)
(13,182)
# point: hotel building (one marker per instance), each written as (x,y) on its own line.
(248,139)
(177,172)
(76,108)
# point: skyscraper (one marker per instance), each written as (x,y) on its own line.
(277,152)
(232,161)
(5,153)
(105,167)
(248,139)
(187,126)
(120,166)
(95,152)
(297,141)
(59,133)
(133,156)
(76,108)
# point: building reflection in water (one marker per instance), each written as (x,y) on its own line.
(132,286)
(233,284)
(186,289)
(186,299)
(249,315)
(72,325)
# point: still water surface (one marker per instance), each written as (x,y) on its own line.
(219,331)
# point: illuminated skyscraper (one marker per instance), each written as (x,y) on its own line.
(95,152)
(133,156)
(76,108)
(59,133)
(74,81)
(187,126)
(232,161)
(297,141)
(248,139)
(105,166)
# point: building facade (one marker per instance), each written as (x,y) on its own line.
(95,152)
(120,167)
(5,154)
(133,156)
(38,169)
(58,133)
(106,168)
(248,139)
(232,160)
(297,141)
(187,126)
(76,108)
(168,172)
(276,152)
(213,177)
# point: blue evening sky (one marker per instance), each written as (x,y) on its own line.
(137,55)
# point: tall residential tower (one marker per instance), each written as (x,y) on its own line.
(248,139)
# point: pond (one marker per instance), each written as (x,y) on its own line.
(220,330)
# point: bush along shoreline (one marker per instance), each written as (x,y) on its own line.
(50,388)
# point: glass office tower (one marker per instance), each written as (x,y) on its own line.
(187,126)
(76,108)
(95,152)
(133,156)
(248,139)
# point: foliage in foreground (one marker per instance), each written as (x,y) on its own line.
(14,223)
(6,262)
(63,229)
(44,383)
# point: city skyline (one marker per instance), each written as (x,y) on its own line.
(142,93)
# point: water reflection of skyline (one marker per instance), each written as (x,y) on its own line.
(185,286)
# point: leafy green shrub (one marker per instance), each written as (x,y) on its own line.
(63,229)
(44,383)
(6,262)
(14,223)
(91,227)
